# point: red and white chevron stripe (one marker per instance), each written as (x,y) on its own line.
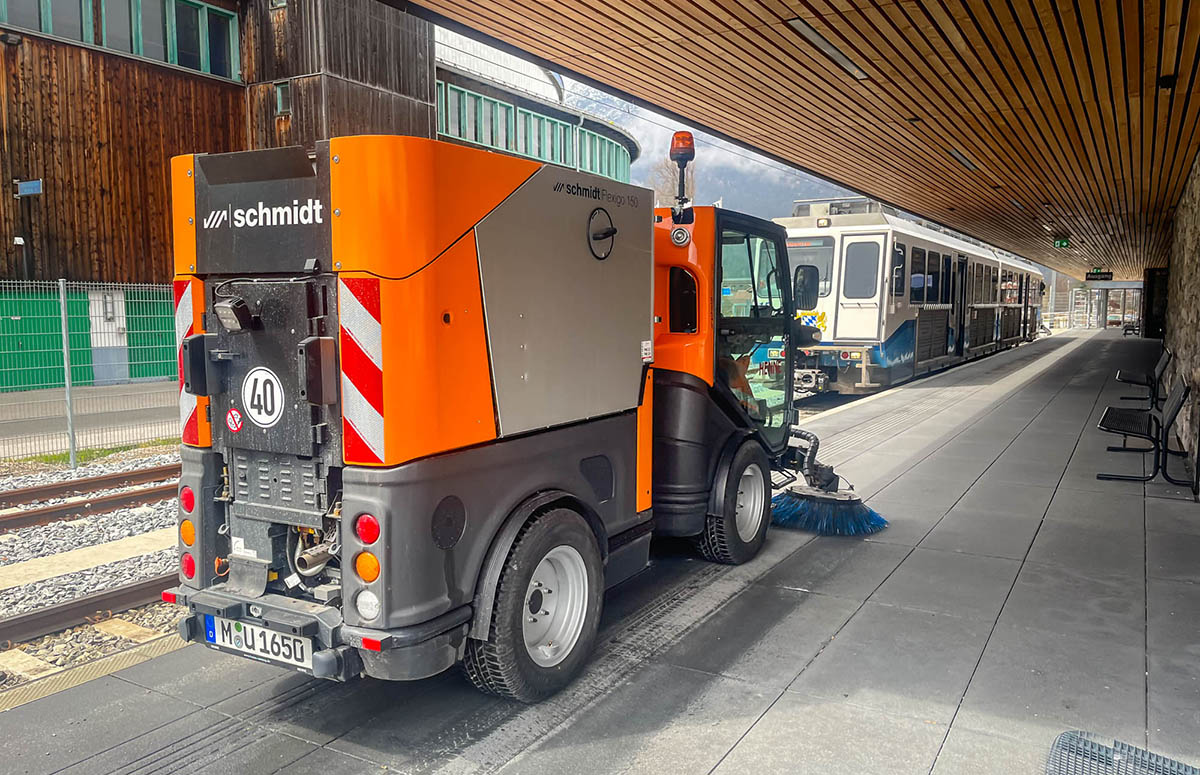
(360,321)
(185,317)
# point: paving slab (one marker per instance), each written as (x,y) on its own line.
(1174,556)
(665,719)
(898,660)
(802,734)
(201,675)
(63,729)
(986,531)
(971,752)
(843,567)
(1094,550)
(765,636)
(908,523)
(1098,510)
(1077,604)
(924,491)
(1169,515)
(1032,685)
(950,583)
(1029,500)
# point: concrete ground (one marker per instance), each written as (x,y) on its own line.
(1013,598)
(35,421)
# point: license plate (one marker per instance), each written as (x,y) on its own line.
(258,642)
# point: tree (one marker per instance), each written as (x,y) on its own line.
(664,179)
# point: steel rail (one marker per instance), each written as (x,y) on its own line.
(86,485)
(92,608)
(19,518)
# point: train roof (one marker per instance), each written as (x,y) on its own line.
(912,228)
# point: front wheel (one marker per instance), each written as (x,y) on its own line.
(737,533)
(546,612)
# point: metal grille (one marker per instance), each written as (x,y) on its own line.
(1084,753)
(120,387)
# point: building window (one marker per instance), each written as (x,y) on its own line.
(118,25)
(153,40)
(219,61)
(67,18)
(25,13)
(63,18)
(187,35)
(283,98)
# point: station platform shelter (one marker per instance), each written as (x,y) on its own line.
(1017,609)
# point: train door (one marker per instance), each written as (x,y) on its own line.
(960,306)
(859,300)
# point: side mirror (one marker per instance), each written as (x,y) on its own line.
(805,284)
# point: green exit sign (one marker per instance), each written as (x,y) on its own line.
(1062,242)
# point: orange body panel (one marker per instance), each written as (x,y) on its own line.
(645,444)
(689,353)
(183,213)
(398,202)
(437,383)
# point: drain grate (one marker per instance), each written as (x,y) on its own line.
(1084,753)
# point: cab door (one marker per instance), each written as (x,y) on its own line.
(860,291)
(754,315)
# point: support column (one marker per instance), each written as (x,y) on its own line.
(316,69)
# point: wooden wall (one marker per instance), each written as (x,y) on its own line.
(100,129)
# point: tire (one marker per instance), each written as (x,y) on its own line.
(560,548)
(737,534)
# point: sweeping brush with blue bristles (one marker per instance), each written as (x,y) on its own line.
(815,502)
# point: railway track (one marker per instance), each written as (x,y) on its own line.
(15,518)
(92,608)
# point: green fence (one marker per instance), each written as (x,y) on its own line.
(31,352)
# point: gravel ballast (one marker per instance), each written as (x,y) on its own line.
(69,586)
(45,540)
(125,461)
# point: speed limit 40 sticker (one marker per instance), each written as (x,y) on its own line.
(262,397)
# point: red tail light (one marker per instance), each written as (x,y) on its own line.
(187,564)
(845,355)
(372,644)
(367,528)
(187,499)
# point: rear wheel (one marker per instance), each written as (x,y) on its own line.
(546,612)
(737,534)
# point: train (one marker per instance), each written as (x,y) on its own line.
(898,299)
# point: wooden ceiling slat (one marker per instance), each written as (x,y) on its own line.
(1057,102)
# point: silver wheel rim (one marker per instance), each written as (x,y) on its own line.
(750,497)
(555,606)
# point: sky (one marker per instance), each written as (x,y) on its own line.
(741,179)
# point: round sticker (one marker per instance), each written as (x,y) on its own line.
(262,397)
(233,420)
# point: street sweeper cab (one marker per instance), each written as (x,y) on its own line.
(435,399)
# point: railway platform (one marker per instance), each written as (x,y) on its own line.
(1014,598)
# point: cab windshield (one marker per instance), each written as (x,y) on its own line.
(817,251)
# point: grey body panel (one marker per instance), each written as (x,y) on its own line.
(421,579)
(544,291)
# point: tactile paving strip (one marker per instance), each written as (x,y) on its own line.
(1085,753)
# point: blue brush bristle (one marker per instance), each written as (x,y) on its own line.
(825,516)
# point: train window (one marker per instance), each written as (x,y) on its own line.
(899,256)
(916,283)
(817,251)
(683,301)
(933,284)
(947,282)
(977,284)
(860,270)
(994,276)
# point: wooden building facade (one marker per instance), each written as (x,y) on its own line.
(97,118)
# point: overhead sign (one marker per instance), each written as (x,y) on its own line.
(1096,274)
(29,188)
(1062,242)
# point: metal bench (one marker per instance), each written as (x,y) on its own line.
(1147,379)
(1147,425)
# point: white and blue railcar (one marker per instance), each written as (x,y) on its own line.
(898,299)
